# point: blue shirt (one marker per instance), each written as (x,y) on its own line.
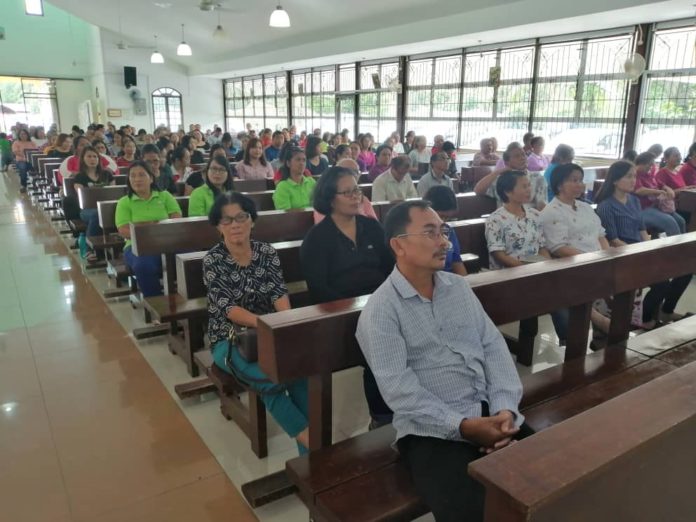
(620,221)
(454,254)
(434,372)
(547,177)
(272,153)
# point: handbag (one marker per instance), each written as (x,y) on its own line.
(666,205)
(246,341)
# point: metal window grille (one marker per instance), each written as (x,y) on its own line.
(167,108)
(668,111)
(377,99)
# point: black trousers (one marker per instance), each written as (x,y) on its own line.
(666,293)
(439,471)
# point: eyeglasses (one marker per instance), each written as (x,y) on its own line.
(242,217)
(221,170)
(351,193)
(432,234)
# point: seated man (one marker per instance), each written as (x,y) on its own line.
(395,184)
(452,384)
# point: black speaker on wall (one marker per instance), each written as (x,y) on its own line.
(130,77)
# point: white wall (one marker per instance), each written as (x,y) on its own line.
(201,97)
(70,95)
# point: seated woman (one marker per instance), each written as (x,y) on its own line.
(623,221)
(254,164)
(144,204)
(515,159)
(218,179)
(366,208)
(129,153)
(658,205)
(346,256)
(563,155)
(19,147)
(244,280)
(670,174)
(384,157)
(536,161)
(316,163)
(342,152)
(63,147)
(164,179)
(570,227)
(420,157)
(486,157)
(197,179)
(366,157)
(191,143)
(179,160)
(295,189)
(444,202)
(91,174)
(688,169)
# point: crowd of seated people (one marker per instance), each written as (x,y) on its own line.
(411,266)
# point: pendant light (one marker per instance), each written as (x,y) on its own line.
(279,18)
(219,33)
(183,49)
(156,56)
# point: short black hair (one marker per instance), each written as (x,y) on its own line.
(507,182)
(149,148)
(645,158)
(341,149)
(277,133)
(535,140)
(146,167)
(381,148)
(561,173)
(630,155)
(508,151)
(441,198)
(325,190)
(448,146)
(399,217)
(231,198)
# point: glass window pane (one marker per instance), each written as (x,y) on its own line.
(560,60)
(448,70)
(420,72)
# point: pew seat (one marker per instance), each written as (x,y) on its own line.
(174,307)
(105,241)
(252,419)
(363,478)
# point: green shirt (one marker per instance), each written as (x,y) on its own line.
(201,201)
(5,147)
(135,210)
(289,194)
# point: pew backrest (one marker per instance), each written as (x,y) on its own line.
(107,213)
(90,196)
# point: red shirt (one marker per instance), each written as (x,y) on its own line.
(688,173)
(646,180)
(123,162)
(673,180)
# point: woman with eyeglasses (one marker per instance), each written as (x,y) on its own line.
(218,179)
(345,256)
(244,280)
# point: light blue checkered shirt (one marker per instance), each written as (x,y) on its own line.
(435,361)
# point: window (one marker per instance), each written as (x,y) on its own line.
(234,105)
(377,100)
(582,94)
(668,114)
(29,100)
(432,99)
(33,7)
(166,107)
(496,95)
(314,100)
(275,101)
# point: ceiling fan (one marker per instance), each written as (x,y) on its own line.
(215,5)
(121,45)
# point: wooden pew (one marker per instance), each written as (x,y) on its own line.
(611,371)
(252,185)
(645,435)
(686,203)
(90,196)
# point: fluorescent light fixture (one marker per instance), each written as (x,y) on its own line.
(34,7)
(279,18)
(183,49)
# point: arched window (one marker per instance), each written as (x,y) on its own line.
(166,106)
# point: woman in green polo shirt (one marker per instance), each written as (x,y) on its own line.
(295,189)
(144,204)
(218,179)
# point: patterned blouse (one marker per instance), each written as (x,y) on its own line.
(254,287)
(512,235)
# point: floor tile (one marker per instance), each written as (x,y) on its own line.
(18,380)
(209,500)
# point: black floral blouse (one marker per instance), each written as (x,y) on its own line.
(254,287)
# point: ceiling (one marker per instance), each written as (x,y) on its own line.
(332,31)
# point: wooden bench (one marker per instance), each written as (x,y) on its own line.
(612,371)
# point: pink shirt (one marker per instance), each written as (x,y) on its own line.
(667,178)
(688,173)
(365,210)
(376,170)
(479,156)
(537,163)
(259,171)
(18,148)
(367,158)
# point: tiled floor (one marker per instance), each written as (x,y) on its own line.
(87,429)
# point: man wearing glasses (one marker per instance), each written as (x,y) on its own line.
(441,365)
